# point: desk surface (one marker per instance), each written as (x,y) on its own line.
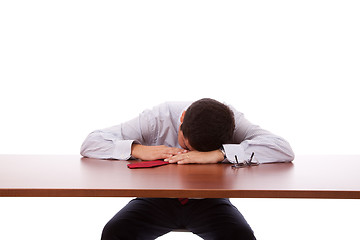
(73,176)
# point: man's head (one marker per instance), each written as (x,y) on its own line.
(206,125)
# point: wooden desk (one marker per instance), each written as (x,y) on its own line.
(73,176)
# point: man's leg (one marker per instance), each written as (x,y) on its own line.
(143,218)
(214,219)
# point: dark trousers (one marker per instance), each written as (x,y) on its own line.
(149,218)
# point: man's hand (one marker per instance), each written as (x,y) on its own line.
(154,152)
(197,157)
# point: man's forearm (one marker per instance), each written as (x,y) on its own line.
(154,152)
(215,156)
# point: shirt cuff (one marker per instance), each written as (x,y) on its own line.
(233,150)
(122,150)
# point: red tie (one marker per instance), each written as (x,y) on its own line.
(183,201)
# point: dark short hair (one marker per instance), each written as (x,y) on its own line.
(208,124)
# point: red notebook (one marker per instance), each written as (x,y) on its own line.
(147,164)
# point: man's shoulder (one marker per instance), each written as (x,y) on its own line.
(177,106)
(176,103)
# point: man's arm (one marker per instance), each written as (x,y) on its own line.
(154,152)
(197,157)
(248,138)
(114,142)
(134,138)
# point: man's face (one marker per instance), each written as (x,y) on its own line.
(183,142)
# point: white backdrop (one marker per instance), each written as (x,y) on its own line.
(70,67)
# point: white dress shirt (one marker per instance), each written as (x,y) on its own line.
(160,126)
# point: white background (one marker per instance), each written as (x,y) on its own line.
(69,67)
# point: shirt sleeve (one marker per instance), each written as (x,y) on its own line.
(115,142)
(249,138)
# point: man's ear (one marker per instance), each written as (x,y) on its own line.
(182,116)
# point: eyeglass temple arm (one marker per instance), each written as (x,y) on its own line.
(251,157)
(237,162)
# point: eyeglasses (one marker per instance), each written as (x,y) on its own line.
(246,163)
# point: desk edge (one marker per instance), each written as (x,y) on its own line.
(172,193)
